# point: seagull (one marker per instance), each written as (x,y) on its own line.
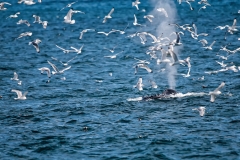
(175,58)
(106,34)
(177,40)
(222,27)
(45,69)
(24,34)
(182,27)
(232,28)
(139,84)
(223,57)
(84,31)
(194,33)
(136,3)
(35,44)
(111,50)
(204,7)
(19,94)
(37,19)
(65,50)
(135,21)
(121,32)
(187,1)
(154,85)
(66,64)
(108,16)
(68,5)
(78,50)
(216,92)
(221,64)
(56,71)
(44,23)
(164,57)
(142,36)
(14,15)
(188,73)
(68,17)
(23,22)
(209,47)
(142,61)
(113,56)
(28,2)
(2,5)
(201,110)
(163,11)
(149,17)
(15,77)
(204,42)
(143,66)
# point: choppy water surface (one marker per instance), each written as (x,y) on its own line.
(93,115)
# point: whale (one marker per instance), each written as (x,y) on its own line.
(165,94)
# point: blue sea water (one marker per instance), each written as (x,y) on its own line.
(89,115)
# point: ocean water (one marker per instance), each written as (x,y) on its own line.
(96,113)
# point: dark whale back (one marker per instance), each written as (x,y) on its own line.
(169,91)
(161,96)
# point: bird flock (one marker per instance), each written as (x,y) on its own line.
(162,50)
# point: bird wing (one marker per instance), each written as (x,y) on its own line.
(53,66)
(61,48)
(212,99)
(234,23)
(69,15)
(65,69)
(19,93)
(212,44)
(109,14)
(220,86)
(195,28)
(15,75)
(135,19)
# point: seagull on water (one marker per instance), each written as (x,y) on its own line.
(108,16)
(2,5)
(216,92)
(56,70)
(35,44)
(19,94)
(65,50)
(77,50)
(201,110)
(14,15)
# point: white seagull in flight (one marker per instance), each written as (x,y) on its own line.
(108,16)
(19,94)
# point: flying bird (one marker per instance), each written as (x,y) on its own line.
(108,16)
